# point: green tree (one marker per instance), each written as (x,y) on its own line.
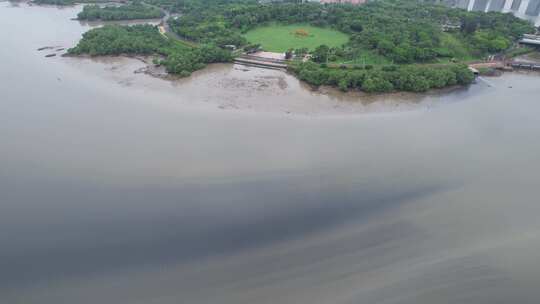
(320,54)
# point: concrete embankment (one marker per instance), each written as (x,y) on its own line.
(525,65)
(260,63)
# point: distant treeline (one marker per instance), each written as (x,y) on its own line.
(134,10)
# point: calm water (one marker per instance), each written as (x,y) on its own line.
(241,185)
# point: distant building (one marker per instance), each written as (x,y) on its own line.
(521,8)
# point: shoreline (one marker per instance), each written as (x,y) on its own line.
(358,96)
(159,72)
(252,90)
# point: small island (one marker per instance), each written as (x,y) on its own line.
(381,46)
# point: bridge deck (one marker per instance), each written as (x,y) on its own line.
(260,62)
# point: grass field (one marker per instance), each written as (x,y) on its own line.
(279,38)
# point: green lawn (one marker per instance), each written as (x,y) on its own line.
(279,38)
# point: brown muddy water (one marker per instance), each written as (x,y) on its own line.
(241,185)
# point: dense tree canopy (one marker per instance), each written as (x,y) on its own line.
(413,78)
(134,10)
(178,58)
(403,31)
(115,40)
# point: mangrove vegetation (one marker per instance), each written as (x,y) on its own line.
(134,10)
(404,45)
(177,57)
